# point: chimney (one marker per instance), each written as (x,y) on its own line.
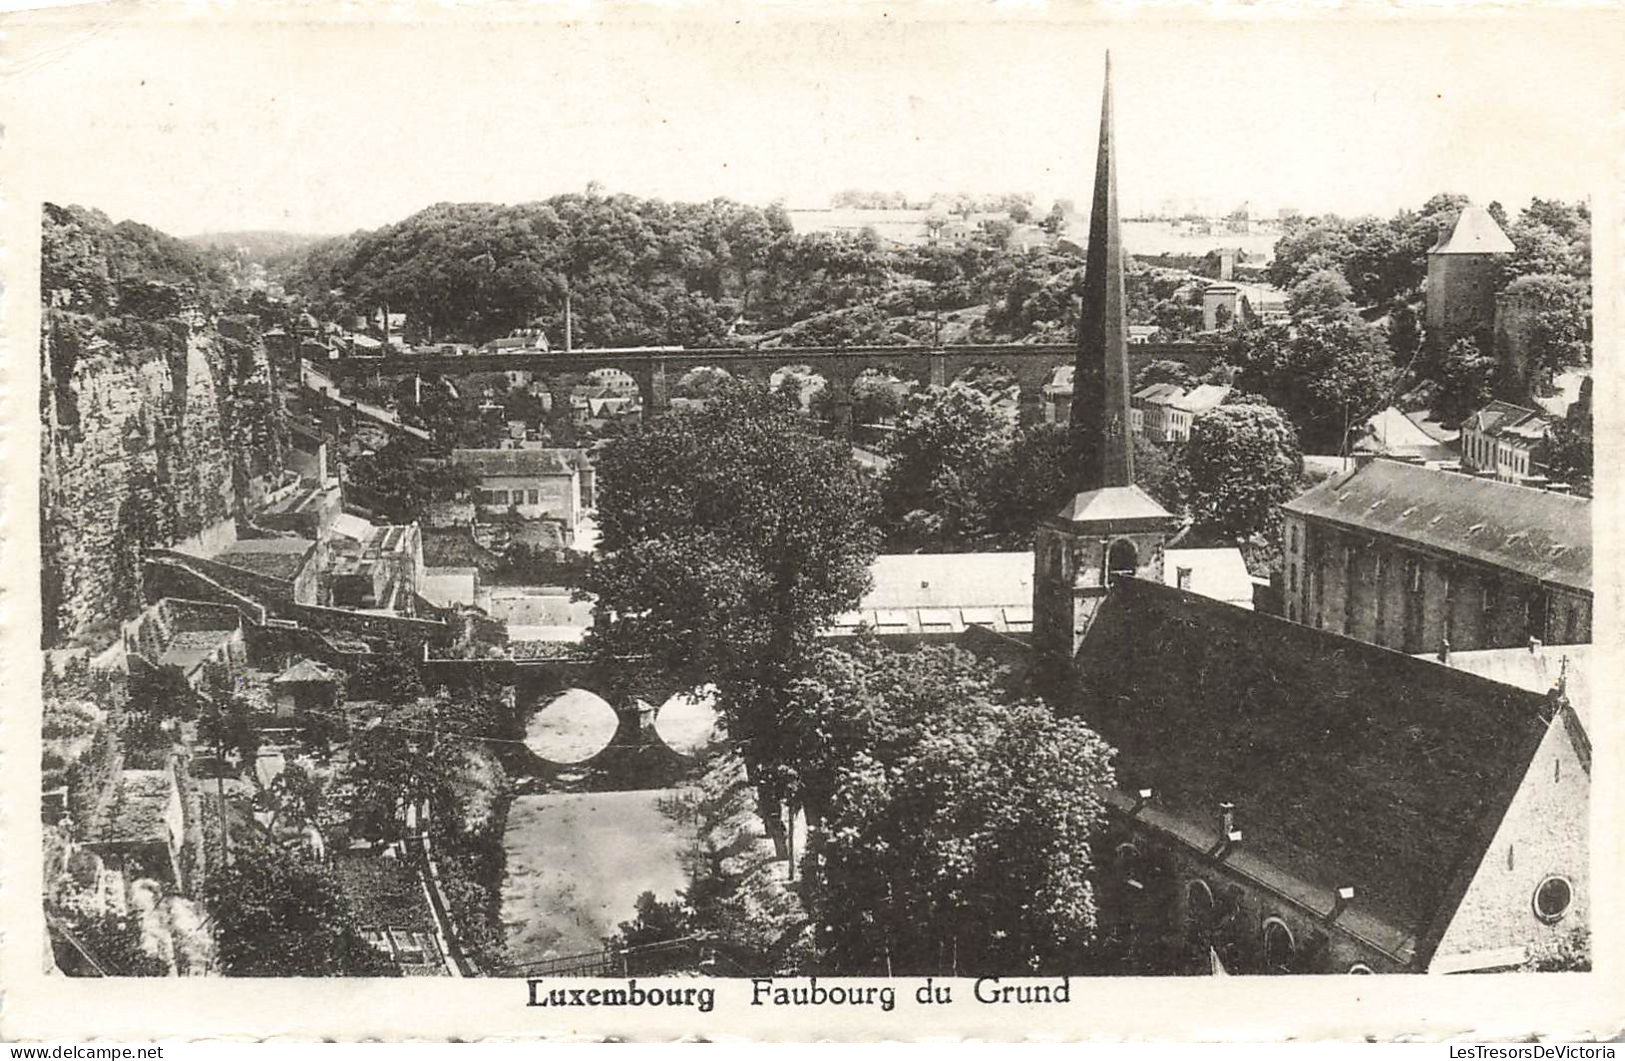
(1444,650)
(1227,824)
(1345,895)
(1141,800)
(1534,644)
(1182,577)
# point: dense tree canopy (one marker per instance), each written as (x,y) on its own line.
(279,914)
(1329,375)
(945,442)
(731,534)
(1243,462)
(956,822)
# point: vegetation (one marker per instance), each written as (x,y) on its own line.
(1243,463)
(941,798)
(731,534)
(281,914)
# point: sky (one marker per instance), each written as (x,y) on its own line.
(257,120)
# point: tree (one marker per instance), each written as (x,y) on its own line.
(226,721)
(944,443)
(1025,482)
(1466,380)
(1244,462)
(1164,371)
(405,483)
(1569,453)
(1322,293)
(730,536)
(281,914)
(937,798)
(1553,315)
(1328,375)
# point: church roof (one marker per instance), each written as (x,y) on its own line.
(1475,233)
(1113,504)
(1536,533)
(1348,764)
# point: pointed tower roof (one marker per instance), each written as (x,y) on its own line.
(1102,448)
(1475,233)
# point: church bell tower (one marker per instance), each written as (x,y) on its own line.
(1110,529)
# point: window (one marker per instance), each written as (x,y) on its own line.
(1360,969)
(1199,912)
(1553,899)
(1534,615)
(1122,561)
(1293,531)
(1132,865)
(535,497)
(1292,578)
(1278,947)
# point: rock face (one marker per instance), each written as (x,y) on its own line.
(133,454)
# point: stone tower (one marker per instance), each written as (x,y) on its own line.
(1110,528)
(1462,269)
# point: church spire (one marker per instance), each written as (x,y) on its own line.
(1102,449)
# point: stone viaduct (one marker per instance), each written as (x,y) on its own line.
(658,370)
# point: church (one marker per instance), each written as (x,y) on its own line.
(1291,798)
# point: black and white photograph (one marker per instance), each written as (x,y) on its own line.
(746,514)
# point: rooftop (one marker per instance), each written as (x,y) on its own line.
(521,462)
(279,558)
(1114,503)
(1537,669)
(1348,764)
(307,670)
(1217,573)
(916,593)
(1475,233)
(1535,533)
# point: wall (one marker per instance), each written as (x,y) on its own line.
(137,443)
(1460,296)
(1167,934)
(1543,834)
(1360,585)
(1069,580)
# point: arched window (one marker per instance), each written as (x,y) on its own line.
(1360,969)
(1122,561)
(1131,864)
(1200,912)
(1553,899)
(1278,946)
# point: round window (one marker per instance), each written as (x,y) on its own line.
(1553,899)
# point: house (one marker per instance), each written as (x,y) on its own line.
(1182,411)
(1289,800)
(308,687)
(373,568)
(1407,557)
(285,568)
(1507,441)
(533,483)
(1149,409)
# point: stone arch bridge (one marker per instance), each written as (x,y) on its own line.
(658,370)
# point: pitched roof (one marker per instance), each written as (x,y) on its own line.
(1347,763)
(307,670)
(1475,233)
(273,557)
(1498,416)
(1159,392)
(950,580)
(1202,398)
(519,462)
(1113,503)
(1535,533)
